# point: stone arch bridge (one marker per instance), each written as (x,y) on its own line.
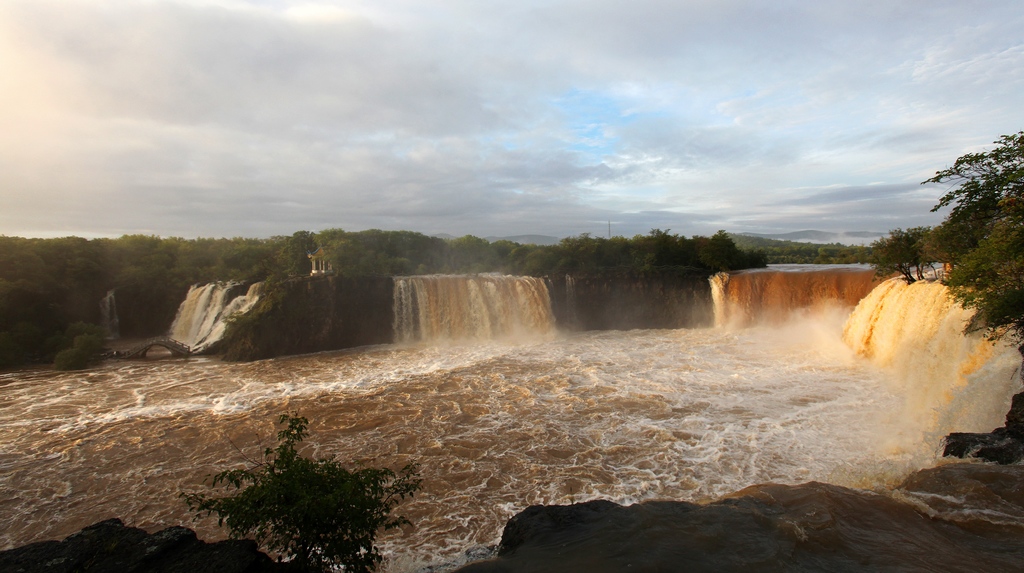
(177,349)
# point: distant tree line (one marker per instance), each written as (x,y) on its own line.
(405,253)
(48,285)
(792,252)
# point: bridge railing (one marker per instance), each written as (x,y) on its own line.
(176,347)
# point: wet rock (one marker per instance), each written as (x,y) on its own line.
(540,522)
(1003,445)
(1015,417)
(623,301)
(111,547)
(809,527)
(995,447)
(314,314)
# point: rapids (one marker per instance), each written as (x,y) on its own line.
(498,425)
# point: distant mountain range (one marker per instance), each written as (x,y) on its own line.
(845,238)
(521,239)
(528,239)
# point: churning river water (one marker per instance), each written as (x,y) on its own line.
(495,426)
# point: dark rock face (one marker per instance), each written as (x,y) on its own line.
(622,302)
(545,521)
(810,527)
(1015,417)
(996,447)
(110,547)
(314,314)
(1003,445)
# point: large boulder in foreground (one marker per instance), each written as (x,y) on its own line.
(110,547)
(809,527)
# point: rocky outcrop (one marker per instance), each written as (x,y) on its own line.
(1003,445)
(314,314)
(609,301)
(809,527)
(110,547)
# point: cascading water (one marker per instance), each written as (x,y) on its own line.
(681,414)
(202,316)
(480,307)
(951,381)
(570,300)
(108,315)
(775,294)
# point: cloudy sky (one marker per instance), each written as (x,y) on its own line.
(257,118)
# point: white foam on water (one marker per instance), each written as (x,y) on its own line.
(500,425)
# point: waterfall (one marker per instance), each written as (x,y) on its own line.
(108,315)
(773,295)
(951,381)
(202,316)
(570,301)
(444,307)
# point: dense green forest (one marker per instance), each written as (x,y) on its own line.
(48,287)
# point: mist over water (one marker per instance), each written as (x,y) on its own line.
(498,425)
(774,294)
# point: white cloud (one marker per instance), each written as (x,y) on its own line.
(498,118)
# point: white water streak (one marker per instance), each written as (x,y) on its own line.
(202,317)
(950,381)
(473,307)
(626,416)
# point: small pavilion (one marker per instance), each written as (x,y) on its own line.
(321,266)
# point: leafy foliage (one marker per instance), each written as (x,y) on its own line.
(656,252)
(52,283)
(315,511)
(87,343)
(903,253)
(720,253)
(983,235)
(779,251)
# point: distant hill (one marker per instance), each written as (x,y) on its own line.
(528,239)
(822,237)
(521,239)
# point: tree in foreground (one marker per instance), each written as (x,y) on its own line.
(316,512)
(983,234)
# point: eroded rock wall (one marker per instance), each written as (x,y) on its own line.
(314,314)
(624,302)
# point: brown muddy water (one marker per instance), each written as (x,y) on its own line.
(497,426)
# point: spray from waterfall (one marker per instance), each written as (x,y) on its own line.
(951,380)
(948,380)
(202,316)
(773,295)
(480,307)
